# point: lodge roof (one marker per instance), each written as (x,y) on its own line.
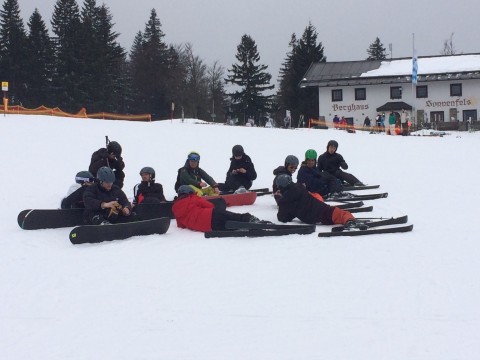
(373,72)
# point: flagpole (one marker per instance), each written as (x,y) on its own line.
(414,81)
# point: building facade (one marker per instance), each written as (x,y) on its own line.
(447,92)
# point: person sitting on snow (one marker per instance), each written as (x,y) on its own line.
(331,162)
(110,156)
(191,174)
(74,197)
(241,173)
(148,191)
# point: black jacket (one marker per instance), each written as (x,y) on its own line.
(148,189)
(296,202)
(95,194)
(100,158)
(331,162)
(279,171)
(233,181)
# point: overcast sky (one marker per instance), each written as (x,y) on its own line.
(346,28)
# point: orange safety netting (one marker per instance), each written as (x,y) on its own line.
(42,110)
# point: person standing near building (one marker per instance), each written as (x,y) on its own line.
(391,123)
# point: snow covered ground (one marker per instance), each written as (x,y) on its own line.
(181,296)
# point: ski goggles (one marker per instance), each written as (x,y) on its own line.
(194,157)
(81,179)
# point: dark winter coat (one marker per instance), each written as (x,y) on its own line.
(95,194)
(331,162)
(234,181)
(193,212)
(74,200)
(296,202)
(312,179)
(193,176)
(149,191)
(100,158)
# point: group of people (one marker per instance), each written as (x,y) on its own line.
(99,190)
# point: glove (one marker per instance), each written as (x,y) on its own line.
(113,214)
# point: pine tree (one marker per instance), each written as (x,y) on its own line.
(149,70)
(13,53)
(304,52)
(253,80)
(376,51)
(69,67)
(40,61)
(216,91)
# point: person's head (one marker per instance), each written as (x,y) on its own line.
(193,159)
(291,163)
(237,151)
(185,190)
(114,148)
(84,178)
(332,146)
(283,181)
(147,173)
(311,158)
(106,177)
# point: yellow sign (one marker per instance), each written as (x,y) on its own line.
(4,85)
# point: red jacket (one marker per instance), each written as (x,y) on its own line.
(193,212)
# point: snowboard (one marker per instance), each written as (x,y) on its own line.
(247,198)
(99,233)
(34,219)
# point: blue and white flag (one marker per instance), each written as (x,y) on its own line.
(414,67)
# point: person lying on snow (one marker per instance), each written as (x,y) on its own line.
(196,213)
(296,202)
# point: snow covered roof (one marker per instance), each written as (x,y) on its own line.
(430,68)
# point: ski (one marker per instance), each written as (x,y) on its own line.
(371,227)
(361,187)
(235,225)
(361,209)
(355,197)
(35,219)
(348,205)
(99,233)
(370,231)
(262,232)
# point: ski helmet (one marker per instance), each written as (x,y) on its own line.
(105,174)
(283,180)
(291,160)
(115,148)
(237,150)
(148,170)
(194,156)
(310,154)
(83,177)
(332,143)
(185,189)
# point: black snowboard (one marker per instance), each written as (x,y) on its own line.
(98,233)
(34,219)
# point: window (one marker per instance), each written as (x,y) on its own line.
(437,116)
(337,95)
(396,92)
(422,91)
(360,94)
(455,89)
